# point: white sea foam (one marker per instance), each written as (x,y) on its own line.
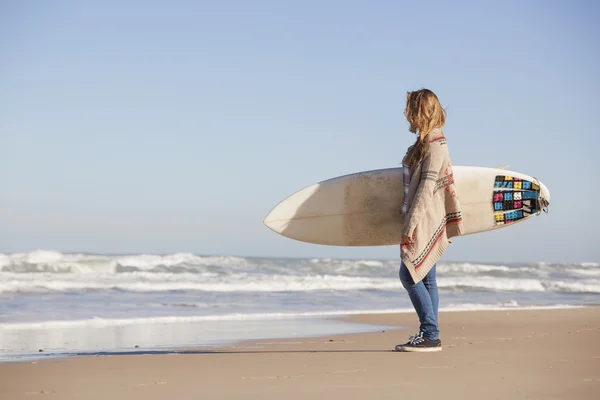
(56,262)
(586,272)
(590,264)
(104,322)
(492,283)
(40,271)
(471,268)
(100,322)
(149,261)
(53,261)
(11,282)
(370,263)
(159,282)
(583,286)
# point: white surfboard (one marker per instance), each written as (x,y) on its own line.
(363,209)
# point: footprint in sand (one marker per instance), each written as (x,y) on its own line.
(41,392)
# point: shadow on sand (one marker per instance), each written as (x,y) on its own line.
(212,352)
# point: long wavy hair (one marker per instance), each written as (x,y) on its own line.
(424,113)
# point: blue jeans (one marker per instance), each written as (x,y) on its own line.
(425,300)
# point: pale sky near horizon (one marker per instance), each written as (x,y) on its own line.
(156,127)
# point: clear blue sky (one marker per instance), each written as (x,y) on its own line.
(134,126)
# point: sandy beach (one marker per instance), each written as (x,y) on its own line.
(508,354)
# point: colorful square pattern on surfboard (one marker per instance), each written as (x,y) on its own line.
(514,199)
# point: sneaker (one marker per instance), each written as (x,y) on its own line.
(418,343)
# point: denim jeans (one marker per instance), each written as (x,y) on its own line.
(425,300)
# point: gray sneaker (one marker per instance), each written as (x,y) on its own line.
(418,343)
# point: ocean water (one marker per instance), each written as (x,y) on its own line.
(76,303)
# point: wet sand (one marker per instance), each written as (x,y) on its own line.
(508,354)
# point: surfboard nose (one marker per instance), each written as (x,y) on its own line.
(273,220)
(270,220)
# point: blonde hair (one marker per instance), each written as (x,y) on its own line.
(424,113)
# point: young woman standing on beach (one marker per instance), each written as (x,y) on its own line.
(431,213)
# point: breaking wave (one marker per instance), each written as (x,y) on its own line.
(52,271)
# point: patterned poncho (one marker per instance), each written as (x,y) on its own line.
(431,207)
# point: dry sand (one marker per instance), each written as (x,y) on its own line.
(535,354)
